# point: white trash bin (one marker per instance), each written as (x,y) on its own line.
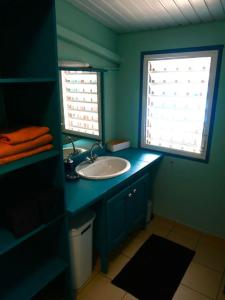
(81,248)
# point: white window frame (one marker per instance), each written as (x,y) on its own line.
(99,102)
(146,57)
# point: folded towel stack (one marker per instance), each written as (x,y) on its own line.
(24,142)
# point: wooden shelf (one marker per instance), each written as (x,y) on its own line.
(8,241)
(26,80)
(27,161)
(34,281)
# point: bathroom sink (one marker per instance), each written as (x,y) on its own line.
(69,150)
(103,167)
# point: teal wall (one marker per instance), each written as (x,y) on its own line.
(79,23)
(189,192)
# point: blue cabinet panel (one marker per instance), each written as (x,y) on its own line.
(120,215)
(116,216)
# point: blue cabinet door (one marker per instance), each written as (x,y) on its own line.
(120,215)
(116,218)
(136,206)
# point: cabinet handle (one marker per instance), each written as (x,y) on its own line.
(130,195)
(134,191)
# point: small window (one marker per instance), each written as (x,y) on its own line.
(179,90)
(81,102)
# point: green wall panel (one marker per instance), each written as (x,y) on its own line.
(189,192)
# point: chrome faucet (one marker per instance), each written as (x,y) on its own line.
(71,140)
(92,156)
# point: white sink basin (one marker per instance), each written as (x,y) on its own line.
(104,167)
(69,150)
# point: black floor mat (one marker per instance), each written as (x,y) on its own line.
(155,271)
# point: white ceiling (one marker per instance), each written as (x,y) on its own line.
(135,15)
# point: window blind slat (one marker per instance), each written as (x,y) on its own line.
(80,101)
(176,102)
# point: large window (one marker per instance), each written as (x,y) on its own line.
(178,97)
(81,102)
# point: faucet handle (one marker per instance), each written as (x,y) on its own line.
(92,158)
(88,159)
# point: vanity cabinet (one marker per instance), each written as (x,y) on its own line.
(136,202)
(119,215)
(29,96)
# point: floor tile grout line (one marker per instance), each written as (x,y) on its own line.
(108,276)
(123,294)
(189,237)
(220,285)
(213,244)
(198,241)
(82,288)
(197,291)
(170,231)
(127,256)
(206,266)
(201,234)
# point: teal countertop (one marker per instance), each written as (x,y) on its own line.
(83,193)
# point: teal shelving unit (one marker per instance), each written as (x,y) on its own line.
(29,95)
(28,161)
(31,284)
(4,81)
(8,241)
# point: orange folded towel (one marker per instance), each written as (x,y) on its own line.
(8,159)
(7,150)
(23,135)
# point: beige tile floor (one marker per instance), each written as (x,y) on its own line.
(203,280)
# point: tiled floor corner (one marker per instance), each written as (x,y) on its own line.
(221,294)
(203,280)
(100,288)
(185,293)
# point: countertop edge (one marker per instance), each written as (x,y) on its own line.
(70,187)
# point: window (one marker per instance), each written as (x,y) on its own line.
(81,102)
(178,97)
